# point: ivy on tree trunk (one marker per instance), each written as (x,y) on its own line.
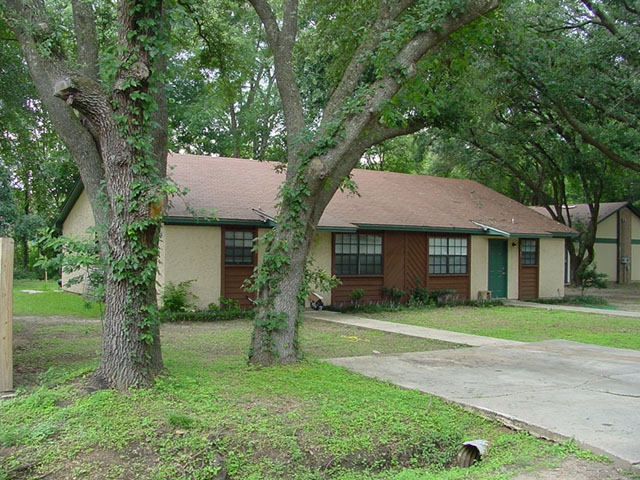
(117,135)
(322,150)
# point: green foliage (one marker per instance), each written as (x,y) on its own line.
(419,296)
(227,304)
(178,297)
(78,257)
(393,294)
(356,295)
(588,277)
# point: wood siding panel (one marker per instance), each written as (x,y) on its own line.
(393,253)
(528,282)
(459,283)
(416,260)
(372,286)
(234,277)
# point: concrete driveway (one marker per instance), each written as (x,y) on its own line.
(556,389)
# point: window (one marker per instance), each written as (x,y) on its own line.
(447,255)
(238,247)
(358,254)
(529,252)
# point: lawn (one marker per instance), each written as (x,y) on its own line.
(210,411)
(526,324)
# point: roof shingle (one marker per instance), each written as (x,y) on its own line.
(233,189)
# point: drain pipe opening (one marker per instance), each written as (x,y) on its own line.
(470,453)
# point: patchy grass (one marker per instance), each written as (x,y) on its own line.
(34,297)
(526,324)
(210,411)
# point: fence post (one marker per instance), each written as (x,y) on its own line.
(6,315)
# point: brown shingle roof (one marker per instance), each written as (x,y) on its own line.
(236,189)
(581,212)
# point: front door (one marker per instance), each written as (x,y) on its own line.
(498,268)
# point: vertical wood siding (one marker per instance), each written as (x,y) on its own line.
(405,266)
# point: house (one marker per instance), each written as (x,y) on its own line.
(399,231)
(617,242)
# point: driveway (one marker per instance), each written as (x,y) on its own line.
(556,389)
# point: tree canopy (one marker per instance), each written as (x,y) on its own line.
(539,101)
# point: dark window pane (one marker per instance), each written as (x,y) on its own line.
(358,254)
(238,248)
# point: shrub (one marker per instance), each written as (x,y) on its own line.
(588,277)
(393,294)
(178,298)
(356,295)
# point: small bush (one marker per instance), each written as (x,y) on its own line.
(178,298)
(393,294)
(589,277)
(356,295)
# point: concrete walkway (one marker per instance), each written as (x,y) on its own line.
(554,389)
(410,330)
(570,308)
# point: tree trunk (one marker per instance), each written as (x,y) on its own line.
(119,142)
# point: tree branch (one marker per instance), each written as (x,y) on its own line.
(282,42)
(45,72)
(388,12)
(587,138)
(86,38)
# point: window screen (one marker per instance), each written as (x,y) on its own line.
(238,248)
(358,254)
(529,252)
(447,255)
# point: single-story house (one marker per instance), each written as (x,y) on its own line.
(617,238)
(399,231)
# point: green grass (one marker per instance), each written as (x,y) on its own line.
(34,297)
(310,421)
(307,421)
(526,324)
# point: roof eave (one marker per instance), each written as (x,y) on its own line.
(71,200)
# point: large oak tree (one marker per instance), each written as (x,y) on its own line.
(109,109)
(370,58)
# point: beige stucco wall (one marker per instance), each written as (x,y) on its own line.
(479,269)
(551,279)
(192,253)
(79,220)
(606,259)
(513,267)
(606,254)
(635,249)
(321,258)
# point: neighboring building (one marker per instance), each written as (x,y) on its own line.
(617,245)
(399,231)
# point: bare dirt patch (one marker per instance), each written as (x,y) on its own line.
(622,296)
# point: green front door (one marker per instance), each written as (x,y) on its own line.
(498,268)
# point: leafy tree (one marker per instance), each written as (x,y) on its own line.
(109,109)
(370,64)
(530,125)
(222,93)
(30,152)
(8,208)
